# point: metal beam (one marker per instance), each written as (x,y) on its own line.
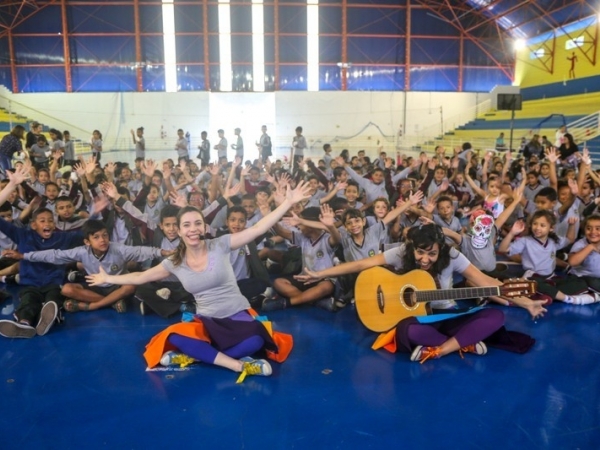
(461,51)
(66,47)
(205,45)
(13,62)
(16,23)
(407,49)
(550,20)
(468,36)
(344,71)
(138,46)
(495,17)
(276,43)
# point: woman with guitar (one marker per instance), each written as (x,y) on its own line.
(427,337)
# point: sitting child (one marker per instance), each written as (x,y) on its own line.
(318,249)
(97,252)
(40,296)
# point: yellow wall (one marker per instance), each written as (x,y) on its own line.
(531,72)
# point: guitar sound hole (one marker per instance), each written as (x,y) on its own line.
(408,297)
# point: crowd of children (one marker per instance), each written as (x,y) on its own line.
(77,235)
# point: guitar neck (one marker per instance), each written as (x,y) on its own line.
(456,294)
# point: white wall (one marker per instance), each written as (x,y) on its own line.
(341,118)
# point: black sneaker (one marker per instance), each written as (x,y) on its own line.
(75,276)
(256,302)
(11,329)
(273,304)
(47,318)
(327,304)
(11,279)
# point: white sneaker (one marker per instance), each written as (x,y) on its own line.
(259,367)
(11,329)
(581,299)
(47,318)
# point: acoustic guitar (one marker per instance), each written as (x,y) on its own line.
(383,298)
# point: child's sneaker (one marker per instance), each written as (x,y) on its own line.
(273,304)
(422,354)
(252,366)
(47,318)
(75,276)
(580,299)
(478,348)
(176,359)
(11,329)
(328,304)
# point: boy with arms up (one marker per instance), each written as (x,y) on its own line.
(40,296)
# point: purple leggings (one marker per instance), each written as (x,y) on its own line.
(467,329)
(203,351)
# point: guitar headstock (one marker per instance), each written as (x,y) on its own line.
(518,287)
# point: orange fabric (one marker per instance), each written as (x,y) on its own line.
(159,344)
(387,341)
(285,343)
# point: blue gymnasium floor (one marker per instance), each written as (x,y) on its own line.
(84,385)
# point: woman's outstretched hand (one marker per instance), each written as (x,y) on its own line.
(308,277)
(97,279)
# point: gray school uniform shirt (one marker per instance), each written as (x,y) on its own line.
(371,243)
(222,152)
(215,288)
(458,263)
(372,190)
(239,147)
(140,148)
(239,262)
(529,193)
(316,255)
(114,261)
(69,154)
(590,267)
(96,143)
(182,148)
(536,256)
(299,145)
(453,225)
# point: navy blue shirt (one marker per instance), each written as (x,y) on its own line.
(27,240)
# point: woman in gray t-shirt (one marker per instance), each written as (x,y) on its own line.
(427,250)
(228,334)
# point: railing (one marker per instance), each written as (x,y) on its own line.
(453,122)
(585,129)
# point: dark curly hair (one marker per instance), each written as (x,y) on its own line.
(424,237)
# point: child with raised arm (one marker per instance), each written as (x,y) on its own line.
(223,332)
(318,248)
(538,250)
(40,296)
(140,142)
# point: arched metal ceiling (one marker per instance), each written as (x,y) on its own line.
(483,31)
